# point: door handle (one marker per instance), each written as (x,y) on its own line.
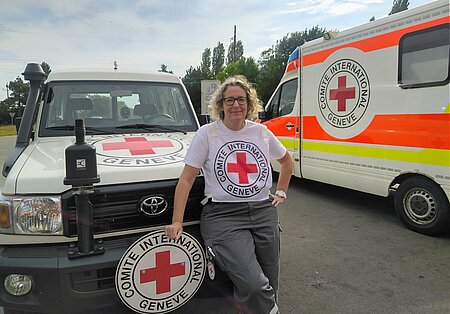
(289,125)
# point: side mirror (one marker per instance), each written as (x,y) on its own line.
(262,116)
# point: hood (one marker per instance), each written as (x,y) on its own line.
(120,159)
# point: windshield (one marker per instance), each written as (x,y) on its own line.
(106,106)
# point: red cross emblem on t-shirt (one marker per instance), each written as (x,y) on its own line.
(138,145)
(242,167)
(162,272)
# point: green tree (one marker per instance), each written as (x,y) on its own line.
(46,68)
(244,66)
(235,53)
(164,69)
(218,59)
(192,81)
(18,94)
(273,61)
(398,6)
(205,65)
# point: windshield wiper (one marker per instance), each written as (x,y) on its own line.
(69,127)
(150,127)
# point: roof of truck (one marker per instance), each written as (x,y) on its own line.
(111,75)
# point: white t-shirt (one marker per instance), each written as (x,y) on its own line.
(236,164)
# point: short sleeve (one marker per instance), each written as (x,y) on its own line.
(198,150)
(276,149)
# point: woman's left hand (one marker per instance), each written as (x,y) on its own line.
(277,200)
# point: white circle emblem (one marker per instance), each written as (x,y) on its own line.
(241,169)
(145,150)
(344,93)
(158,275)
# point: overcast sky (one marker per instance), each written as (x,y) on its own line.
(143,34)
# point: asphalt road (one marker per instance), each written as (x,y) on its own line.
(346,252)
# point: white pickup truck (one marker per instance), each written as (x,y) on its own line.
(140,126)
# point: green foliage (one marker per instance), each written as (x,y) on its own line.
(205,65)
(244,66)
(18,94)
(164,69)
(192,81)
(218,59)
(46,68)
(398,6)
(235,54)
(273,61)
(102,106)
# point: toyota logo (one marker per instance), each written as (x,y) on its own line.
(154,205)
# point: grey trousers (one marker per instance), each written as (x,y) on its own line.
(245,241)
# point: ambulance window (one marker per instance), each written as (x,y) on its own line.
(287,99)
(283,101)
(424,57)
(272,107)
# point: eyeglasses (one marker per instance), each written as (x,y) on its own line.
(229,101)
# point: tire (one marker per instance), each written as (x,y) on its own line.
(422,206)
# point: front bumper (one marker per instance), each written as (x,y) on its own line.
(63,285)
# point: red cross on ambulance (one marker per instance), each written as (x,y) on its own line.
(342,93)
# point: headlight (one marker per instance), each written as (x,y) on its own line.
(38,215)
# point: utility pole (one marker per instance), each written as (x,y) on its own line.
(7,90)
(234,45)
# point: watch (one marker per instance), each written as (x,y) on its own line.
(281,194)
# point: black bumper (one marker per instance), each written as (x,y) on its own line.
(63,285)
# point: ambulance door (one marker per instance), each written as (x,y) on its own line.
(282,118)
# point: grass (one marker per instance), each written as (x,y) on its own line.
(6,130)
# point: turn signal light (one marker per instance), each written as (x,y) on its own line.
(5,219)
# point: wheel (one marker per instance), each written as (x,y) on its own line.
(422,206)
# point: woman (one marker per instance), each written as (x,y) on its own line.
(239,221)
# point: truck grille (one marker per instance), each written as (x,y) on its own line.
(116,207)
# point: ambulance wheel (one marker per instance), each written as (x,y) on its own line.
(422,206)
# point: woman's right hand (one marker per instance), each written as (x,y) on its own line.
(174,230)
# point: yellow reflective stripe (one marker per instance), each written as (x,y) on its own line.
(288,143)
(447,110)
(436,157)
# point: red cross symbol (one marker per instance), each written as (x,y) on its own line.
(242,167)
(138,145)
(342,93)
(162,273)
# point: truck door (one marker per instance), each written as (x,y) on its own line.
(282,118)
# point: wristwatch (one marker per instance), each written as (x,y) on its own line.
(281,194)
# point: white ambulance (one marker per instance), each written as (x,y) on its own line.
(79,235)
(368,109)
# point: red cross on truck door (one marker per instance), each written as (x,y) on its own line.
(138,145)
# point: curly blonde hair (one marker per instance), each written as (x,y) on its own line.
(253,103)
